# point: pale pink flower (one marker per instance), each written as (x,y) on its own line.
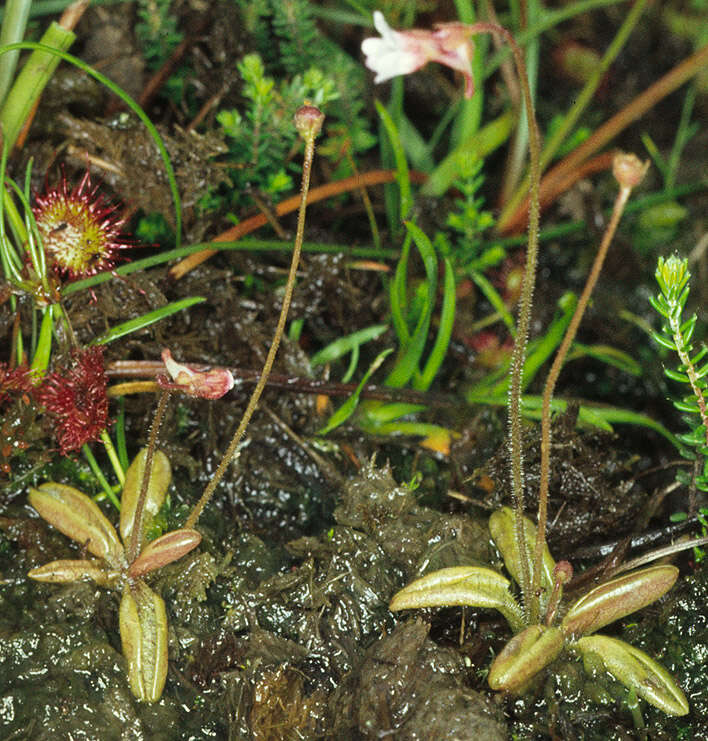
(210,384)
(402,52)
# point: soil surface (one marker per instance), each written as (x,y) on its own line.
(279,625)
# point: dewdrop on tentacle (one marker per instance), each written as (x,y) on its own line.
(80,231)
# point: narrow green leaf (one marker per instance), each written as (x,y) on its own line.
(40,361)
(14,16)
(681,301)
(607,354)
(398,293)
(344,345)
(687,406)
(347,409)
(699,355)
(588,415)
(32,78)
(442,341)
(663,341)
(660,306)
(415,146)
(407,365)
(702,372)
(378,414)
(492,295)
(676,376)
(687,328)
(402,174)
(479,144)
(133,325)
(353,364)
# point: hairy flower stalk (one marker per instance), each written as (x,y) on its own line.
(308,121)
(628,172)
(133,544)
(444,45)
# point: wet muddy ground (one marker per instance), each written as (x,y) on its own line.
(279,621)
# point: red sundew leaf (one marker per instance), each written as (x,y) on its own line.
(80,230)
(77,400)
(14,380)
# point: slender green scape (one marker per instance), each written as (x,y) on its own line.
(308,121)
(629,172)
(525,305)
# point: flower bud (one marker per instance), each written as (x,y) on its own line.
(563,572)
(628,169)
(308,121)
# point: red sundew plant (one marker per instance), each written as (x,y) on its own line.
(14,381)
(76,400)
(80,231)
